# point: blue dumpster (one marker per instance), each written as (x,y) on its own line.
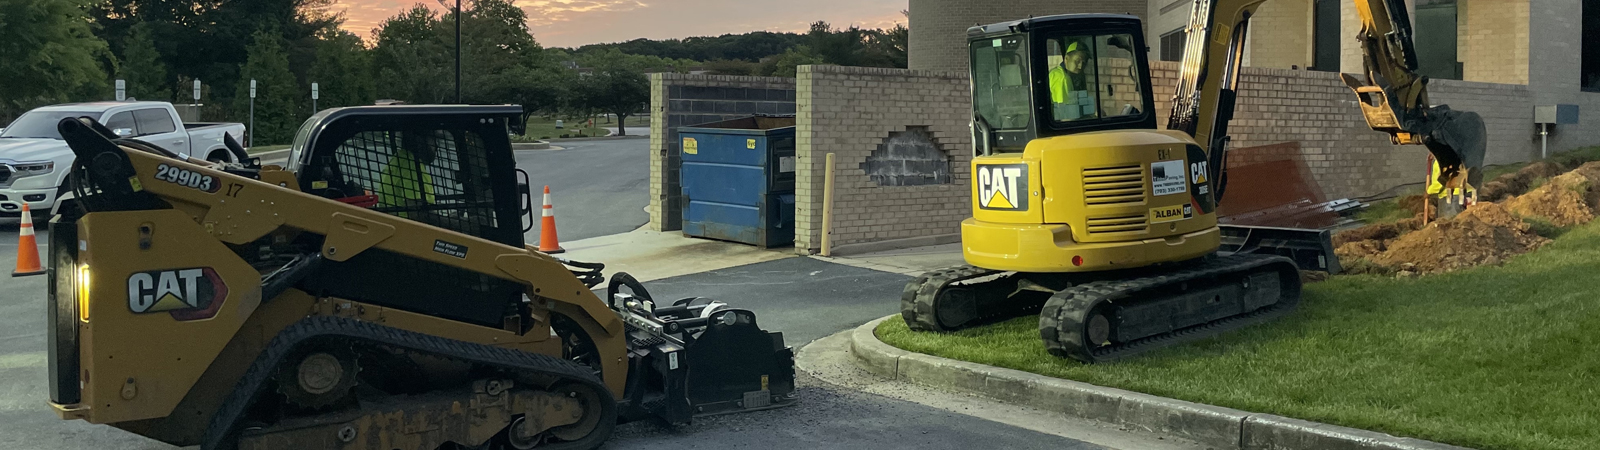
(738,180)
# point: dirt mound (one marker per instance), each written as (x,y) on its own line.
(1486,233)
(1517,183)
(1370,240)
(1569,199)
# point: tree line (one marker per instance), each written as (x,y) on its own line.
(70,50)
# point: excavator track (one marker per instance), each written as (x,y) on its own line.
(936,301)
(225,427)
(1108,320)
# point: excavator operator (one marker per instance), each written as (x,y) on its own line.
(1067,80)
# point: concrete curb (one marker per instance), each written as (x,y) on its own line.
(1224,428)
(537,145)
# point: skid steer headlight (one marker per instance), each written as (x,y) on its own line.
(82,281)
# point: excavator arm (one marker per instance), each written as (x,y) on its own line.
(1394,97)
(1208,81)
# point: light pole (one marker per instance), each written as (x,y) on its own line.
(458,51)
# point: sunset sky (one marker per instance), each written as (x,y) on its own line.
(571,23)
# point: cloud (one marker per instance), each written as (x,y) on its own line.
(549,12)
(572,23)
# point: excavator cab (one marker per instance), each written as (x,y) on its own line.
(1058,75)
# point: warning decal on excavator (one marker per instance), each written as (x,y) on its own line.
(187,294)
(1003,187)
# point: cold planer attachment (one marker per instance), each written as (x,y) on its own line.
(313,323)
(703,357)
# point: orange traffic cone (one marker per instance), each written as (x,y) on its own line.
(27,247)
(548,242)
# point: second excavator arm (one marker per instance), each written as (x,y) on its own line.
(1394,98)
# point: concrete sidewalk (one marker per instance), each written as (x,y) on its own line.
(653,255)
(910,261)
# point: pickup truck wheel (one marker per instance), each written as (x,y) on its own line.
(219,156)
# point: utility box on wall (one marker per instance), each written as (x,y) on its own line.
(738,180)
(1556,114)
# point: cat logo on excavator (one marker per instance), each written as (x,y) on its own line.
(1003,187)
(187,294)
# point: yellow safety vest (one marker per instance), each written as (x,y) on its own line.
(397,185)
(1060,85)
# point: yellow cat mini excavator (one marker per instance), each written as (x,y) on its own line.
(1088,214)
(377,294)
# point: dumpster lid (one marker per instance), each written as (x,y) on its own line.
(755,122)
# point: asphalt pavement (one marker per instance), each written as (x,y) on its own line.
(598,187)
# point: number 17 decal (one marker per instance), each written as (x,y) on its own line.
(234,188)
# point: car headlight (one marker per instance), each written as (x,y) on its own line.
(20,170)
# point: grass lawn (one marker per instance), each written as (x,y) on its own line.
(1492,357)
(540,128)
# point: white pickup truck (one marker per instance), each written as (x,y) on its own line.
(34,161)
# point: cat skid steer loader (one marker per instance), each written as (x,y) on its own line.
(376,294)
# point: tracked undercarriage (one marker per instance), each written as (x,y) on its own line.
(1106,316)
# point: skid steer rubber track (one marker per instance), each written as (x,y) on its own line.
(950,299)
(1162,310)
(224,428)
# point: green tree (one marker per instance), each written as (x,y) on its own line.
(277,110)
(48,54)
(411,60)
(787,64)
(617,90)
(343,71)
(142,68)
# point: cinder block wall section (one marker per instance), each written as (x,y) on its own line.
(851,111)
(1278,36)
(939,27)
(682,100)
(1496,49)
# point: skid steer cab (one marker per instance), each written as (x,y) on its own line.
(376,293)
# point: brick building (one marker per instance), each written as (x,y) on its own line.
(1549,47)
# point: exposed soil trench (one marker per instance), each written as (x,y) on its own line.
(1500,226)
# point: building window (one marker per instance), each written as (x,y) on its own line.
(1172,45)
(1325,36)
(1591,45)
(1436,39)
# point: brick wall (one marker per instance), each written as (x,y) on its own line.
(939,27)
(850,111)
(682,100)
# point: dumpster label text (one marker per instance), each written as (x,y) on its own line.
(690,147)
(1003,187)
(750,144)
